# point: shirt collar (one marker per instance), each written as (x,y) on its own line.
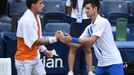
(96,20)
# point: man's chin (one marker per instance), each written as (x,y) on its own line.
(40,11)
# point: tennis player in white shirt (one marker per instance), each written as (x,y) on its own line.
(99,35)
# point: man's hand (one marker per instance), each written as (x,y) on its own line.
(48,53)
(59,34)
(66,39)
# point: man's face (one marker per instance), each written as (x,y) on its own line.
(39,6)
(89,10)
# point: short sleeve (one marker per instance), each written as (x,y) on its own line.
(99,28)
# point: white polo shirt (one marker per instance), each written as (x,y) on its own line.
(105,48)
(75,11)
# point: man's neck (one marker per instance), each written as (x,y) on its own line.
(94,17)
(34,12)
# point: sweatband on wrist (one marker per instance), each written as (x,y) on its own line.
(52,40)
(42,48)
(75,40)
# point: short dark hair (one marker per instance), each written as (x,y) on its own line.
(93,3)
(30,2)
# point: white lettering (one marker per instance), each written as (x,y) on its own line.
(49,63)
(60,61)
(52,62)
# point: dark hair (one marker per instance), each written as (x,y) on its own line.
(74,3)
(94,3)
(30,2)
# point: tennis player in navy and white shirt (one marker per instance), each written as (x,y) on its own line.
(99,35)
(104,47)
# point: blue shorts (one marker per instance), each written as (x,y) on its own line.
(116,69)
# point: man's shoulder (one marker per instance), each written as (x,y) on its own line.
(102,20)
(25,18)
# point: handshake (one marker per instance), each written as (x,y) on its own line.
(59,36)
(63,37)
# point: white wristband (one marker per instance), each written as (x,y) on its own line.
(42,48)
(52,40)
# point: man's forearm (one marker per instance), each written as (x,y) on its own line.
(85,41)
(42,41)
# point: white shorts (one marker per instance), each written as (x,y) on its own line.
(30,67)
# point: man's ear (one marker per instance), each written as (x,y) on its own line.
(32,5)
(95,8)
